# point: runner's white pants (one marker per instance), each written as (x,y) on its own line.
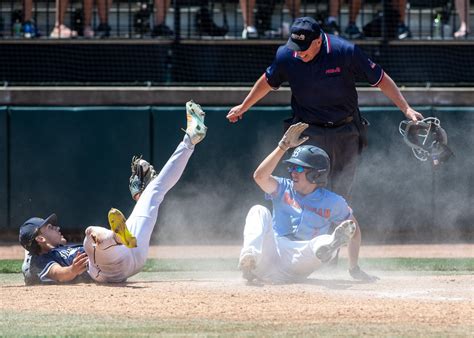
(279,259)
(111,262)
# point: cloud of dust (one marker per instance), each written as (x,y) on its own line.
(210,204)
(396,196)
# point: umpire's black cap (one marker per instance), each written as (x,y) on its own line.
(29,231)
(303,31)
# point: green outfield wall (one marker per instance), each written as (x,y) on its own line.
(76,162)
(3,169)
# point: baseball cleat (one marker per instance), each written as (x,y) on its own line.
(340,237)
(119,227)
(247,263)
(195,129)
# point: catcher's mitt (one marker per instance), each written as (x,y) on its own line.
(142,173)
(427,139)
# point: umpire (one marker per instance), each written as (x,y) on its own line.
(321,70)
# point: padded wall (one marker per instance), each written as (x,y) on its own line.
(74,161)
(3,168)
(212,198)
(395,196)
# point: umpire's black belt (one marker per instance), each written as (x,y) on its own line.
(331,124)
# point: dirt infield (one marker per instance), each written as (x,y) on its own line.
(399,304)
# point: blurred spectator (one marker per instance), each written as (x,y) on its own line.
(403,31)
(462,7)
(205,24)
(103,29)
(331,25)
(61,31)
(353,32)
(160,28)
(28,28)
(294,7)
(265,13)
(249,31)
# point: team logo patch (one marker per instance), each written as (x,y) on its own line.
(296,152)
(300,37)
(333,70)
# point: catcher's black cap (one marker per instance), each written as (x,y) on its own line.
(303,32)
(29,231)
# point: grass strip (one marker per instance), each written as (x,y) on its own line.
(230,264)
(10,265)
(39,324)
(419,264)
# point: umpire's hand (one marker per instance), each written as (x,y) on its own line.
(235,113)
(413,115)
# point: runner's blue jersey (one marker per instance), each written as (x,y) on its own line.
(324,89)
(305,217)
(62,255)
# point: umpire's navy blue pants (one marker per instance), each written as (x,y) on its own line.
(342,145)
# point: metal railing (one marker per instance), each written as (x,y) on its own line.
(220,19)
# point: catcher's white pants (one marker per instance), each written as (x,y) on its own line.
(279,259)
(110,262)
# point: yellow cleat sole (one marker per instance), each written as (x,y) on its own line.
(117,224)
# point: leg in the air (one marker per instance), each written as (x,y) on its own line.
(144,216)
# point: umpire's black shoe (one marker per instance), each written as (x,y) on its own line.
(358,274)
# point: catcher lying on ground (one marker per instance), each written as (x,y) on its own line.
(110,256)
(293,243)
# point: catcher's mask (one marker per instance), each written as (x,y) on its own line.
(314,158)
(427,139)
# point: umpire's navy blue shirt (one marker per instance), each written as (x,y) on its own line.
(323,89)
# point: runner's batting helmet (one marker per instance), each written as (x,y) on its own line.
(427,139)
(314,158)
